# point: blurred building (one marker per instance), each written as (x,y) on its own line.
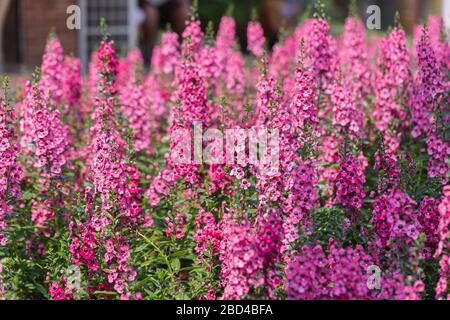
(25,24)
(276,13)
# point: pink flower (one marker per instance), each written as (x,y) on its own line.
(392,77)
(394,218)
(135,104)
(166,56)
(428,88)
(438,151)
(225,41)
(319,49)
(240,261)
(52,71)
(443,245)
(255,38)
(354,55)
(57,292)
(72,83)
(340,274)
(345,112)
(107,67)
(11,170)
(192,38)
(349,184)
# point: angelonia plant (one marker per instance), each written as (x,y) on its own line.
(316,170)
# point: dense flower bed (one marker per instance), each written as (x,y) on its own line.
(94,203)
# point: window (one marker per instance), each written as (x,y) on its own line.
(119,15)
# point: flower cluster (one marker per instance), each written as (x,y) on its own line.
(355,56)
(429,219)
(443,246)
(343,273)
(255,38)
(395,219)
(318,44)
(176,228)
(345,113)
(135,104)
(301,200)
(107,67)
(438,151)
(349,184)
(50,139)
(225,41)
(114,204)
(52,71)
(304,110)
(72,83)
(11,170)
(192,38)
(208,234)
(225,173)
(391,78)
(429,86)
(166,56)
(58,291)
(240,260)
(82,246)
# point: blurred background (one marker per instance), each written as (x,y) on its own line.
(25,24)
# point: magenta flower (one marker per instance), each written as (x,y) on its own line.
(11,169)
(52,71)
(255,38)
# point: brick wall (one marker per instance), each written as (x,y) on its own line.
(38,18)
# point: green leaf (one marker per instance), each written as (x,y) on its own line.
(175,263)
